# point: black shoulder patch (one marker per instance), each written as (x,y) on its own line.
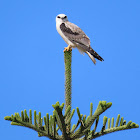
(67,30)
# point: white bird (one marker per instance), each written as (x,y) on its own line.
(75,37)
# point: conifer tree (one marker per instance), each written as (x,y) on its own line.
(50,125)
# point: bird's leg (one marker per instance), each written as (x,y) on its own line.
(67,48)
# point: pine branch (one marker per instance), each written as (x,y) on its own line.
(60,120)
(129,125)
(67,60)
(18,120)
(84,132)
(83,129)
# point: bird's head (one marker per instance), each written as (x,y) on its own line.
(61,18)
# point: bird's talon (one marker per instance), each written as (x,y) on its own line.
(67,49)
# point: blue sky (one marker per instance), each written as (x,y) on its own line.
(32,63)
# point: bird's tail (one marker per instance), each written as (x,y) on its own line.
(92,54)
(91,57)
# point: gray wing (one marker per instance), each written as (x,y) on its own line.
(78,37)
(75,34)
